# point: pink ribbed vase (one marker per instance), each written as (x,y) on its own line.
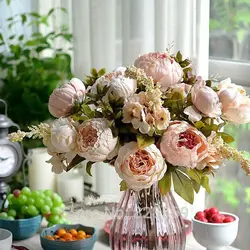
(147,220)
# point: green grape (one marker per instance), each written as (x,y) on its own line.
(48,201)
(10,197)
(48,193)
(26,191)
(39,202)
(56,210)
(32,210)
(14,201)
(67,221)
(22,199)
(57,200)
(45,209)
(62,206)
(35,194)
(12,212)
(10,218)
(53,219)
(30,201)
(3,215)
(24,210)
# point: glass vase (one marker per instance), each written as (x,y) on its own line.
(147,220)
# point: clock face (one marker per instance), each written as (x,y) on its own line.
(8,160)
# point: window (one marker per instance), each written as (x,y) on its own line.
(229,47)
(229,51)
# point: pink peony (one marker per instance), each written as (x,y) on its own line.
(205,99)
(62,99)
(183,145)
(235,103)
(161,67)
(95,140)
(140,168)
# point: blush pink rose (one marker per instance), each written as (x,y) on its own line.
(206,100)
(183,145)
(140,168)
(62,99)
(161,67)
(235,103)
(94,140)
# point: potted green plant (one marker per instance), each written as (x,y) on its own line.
(31,66)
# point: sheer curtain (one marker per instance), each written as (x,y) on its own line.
(111,33)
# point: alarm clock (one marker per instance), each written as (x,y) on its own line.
(10,156)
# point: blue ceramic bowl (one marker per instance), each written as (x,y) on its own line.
(23,228)
(86,244)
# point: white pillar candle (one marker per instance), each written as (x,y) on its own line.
(107,180)
(40,175)
(70,185)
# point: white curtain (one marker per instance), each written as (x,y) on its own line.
(112,33)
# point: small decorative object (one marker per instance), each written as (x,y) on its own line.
(215,230)
(68,237)
(159,125)
(10,155)
(26,209)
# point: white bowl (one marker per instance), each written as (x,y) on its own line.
(216,236)
(5,239)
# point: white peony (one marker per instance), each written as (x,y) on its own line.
(140,168)
(63,135)
(95,140)
(122,87)
(235,102)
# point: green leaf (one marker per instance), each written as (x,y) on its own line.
(196,186)
(123,185)
(86,110)
(99,89)
(101,72)
(63,10)
(12,37)
(24,18)
(50,11)
(1,37)
(199,125)
(183,186)
(34,14)
(93,72)
(118,115)
(179,56)
(205,183)
(165,183)
(208,83)
(226,137)
(144,141)
(194,174)
(20,38)
(88,168)
(8,2)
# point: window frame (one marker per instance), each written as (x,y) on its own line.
(238,71)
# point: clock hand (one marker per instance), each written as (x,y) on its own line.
(3,159)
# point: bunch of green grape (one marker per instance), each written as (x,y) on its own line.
(26,204)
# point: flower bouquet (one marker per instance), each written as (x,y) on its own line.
(158,124)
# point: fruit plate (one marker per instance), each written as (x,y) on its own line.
(188,226)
